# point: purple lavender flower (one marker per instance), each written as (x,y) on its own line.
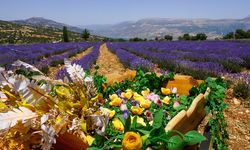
(125,114)
(118,92)
(134,103)
(125,100)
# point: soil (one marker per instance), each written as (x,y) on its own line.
(237,115)
(53,70)
(109,65)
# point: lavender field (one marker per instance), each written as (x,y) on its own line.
(197,58)
(42,55)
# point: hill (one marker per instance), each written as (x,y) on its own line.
(14,33)
(152,27)
(46,23)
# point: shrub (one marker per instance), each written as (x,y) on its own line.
(241,90)
(55,63)
(45,69)
(231,66)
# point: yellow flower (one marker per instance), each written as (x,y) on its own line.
(145,104)
(139,98)
(165,91)
(151,122)
(115,102)
(118,124)
(113,96)
(166,100)
(109,112)
(145,92)
(131,141)
(90,139)
(136,110)
(139,120)
(128,94)
(62,91)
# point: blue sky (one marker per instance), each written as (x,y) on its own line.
(82,12)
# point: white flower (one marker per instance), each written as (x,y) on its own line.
(123,107)
(88,79)
(174,90)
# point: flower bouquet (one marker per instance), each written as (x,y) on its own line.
(39,113)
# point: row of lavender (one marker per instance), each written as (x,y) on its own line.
(130,60)
(85,62)
(197,58)
(40,54)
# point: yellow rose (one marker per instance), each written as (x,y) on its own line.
(136,110)
(132,141)
(145,104)
(115,102)
(165,91)
(106,111)
(113,96)
(166,100)
(118,124)
(145,92)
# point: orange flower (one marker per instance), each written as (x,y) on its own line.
(145,92)
(136,110)
(145,104)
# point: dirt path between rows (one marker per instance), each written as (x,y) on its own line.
(53,70)
(109,65)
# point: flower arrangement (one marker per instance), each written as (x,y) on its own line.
(131,114)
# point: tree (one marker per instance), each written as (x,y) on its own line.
(85,34)
(248,33)
(240,34)
(156,38)
(136,39)
(201,36)
(65,34)
(186,37)
(168,37)
(230,35)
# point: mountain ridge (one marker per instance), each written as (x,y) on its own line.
(44,22)
(151,27)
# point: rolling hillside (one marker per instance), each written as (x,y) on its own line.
(14,33)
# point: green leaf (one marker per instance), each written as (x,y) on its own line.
(121,118)
(158,118)
(181,107)
(143,131)
(127,124)
(144,138)
(184,100)
(115,145)
(193,137)
(175,143)
(134,123)
(193,91)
